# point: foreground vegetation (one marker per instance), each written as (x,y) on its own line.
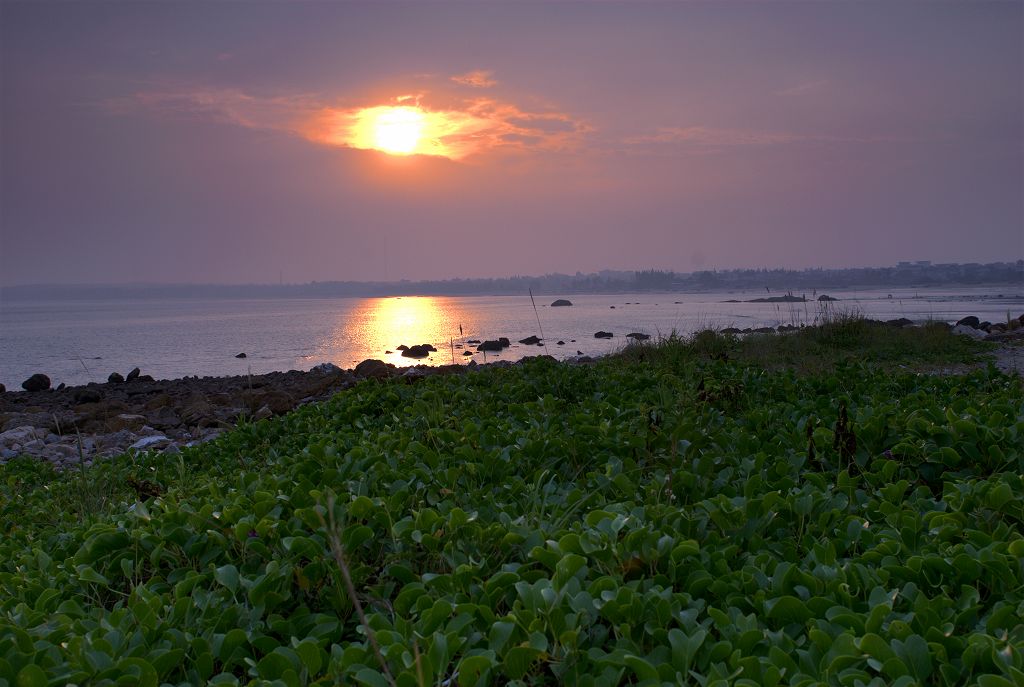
(697,512)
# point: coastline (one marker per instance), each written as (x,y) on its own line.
(73,426)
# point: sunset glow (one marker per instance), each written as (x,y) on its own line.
(397,130)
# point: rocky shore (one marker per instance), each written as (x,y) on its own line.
(77,425)
(72,426)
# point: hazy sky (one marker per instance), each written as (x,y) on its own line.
(220,142)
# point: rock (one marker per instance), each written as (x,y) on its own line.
(241,355)
(145,378)
(965,330)
(603,335)
(561,343)
(163,418)
(561,303)
(402,347)
(472,341)
(611,307)
(764,330)
(18,435)
(530,341)
(8,454)
(278,401)
(3,389)
(87,395)
(263,413)
(505,343)
(1015,335)
(37,382)
(325,368)
(824,297)
(969,321)
(197,412)
(371,367)
(467,353)
(490,345)
(151,443)
(899,322)
(985,326)
(730,330)
(418,351)
(133,375)
(128,421)
(115,378)
(638,336)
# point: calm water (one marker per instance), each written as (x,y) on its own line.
(79,342)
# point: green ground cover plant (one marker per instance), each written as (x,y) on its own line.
(675,515)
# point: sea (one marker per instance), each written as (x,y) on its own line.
(77,341)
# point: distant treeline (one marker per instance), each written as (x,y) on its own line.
(607,281)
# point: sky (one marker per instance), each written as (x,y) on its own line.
(291,141)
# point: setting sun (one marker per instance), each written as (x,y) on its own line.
(397,130)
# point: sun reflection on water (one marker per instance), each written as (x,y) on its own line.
(377,325)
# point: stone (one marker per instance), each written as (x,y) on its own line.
(129,421)
(561,343)
(87,395)
(263,413)
(638,336)
(824,298)
(490,345)
(561,303)
(899,322)
(278,401)
(966,330)
(241,355)
(603,335)
(325,369)
(418,351)
(133,375)
(530,341)
(18,435)
(37,382)
(969,321)
(3,389)
(372,367)
(467,353)
(402,347)
(163,418)
(151,443)
(115,378)
(730,330)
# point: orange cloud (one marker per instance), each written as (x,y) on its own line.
(478,78)
(455,129)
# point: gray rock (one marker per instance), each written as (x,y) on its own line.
(115,378)
(134,374)
(603,335)
(241,355)
(325,368)
(965,330)
(151,443)
(18,435)
(8,454)
(561,303)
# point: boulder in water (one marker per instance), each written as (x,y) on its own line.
(37,382)
(603,335)
(241,355)
(969,321)
(530,341)
(134,374)
(561,303)
(638,336)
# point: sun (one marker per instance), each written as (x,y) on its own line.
(397,130)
